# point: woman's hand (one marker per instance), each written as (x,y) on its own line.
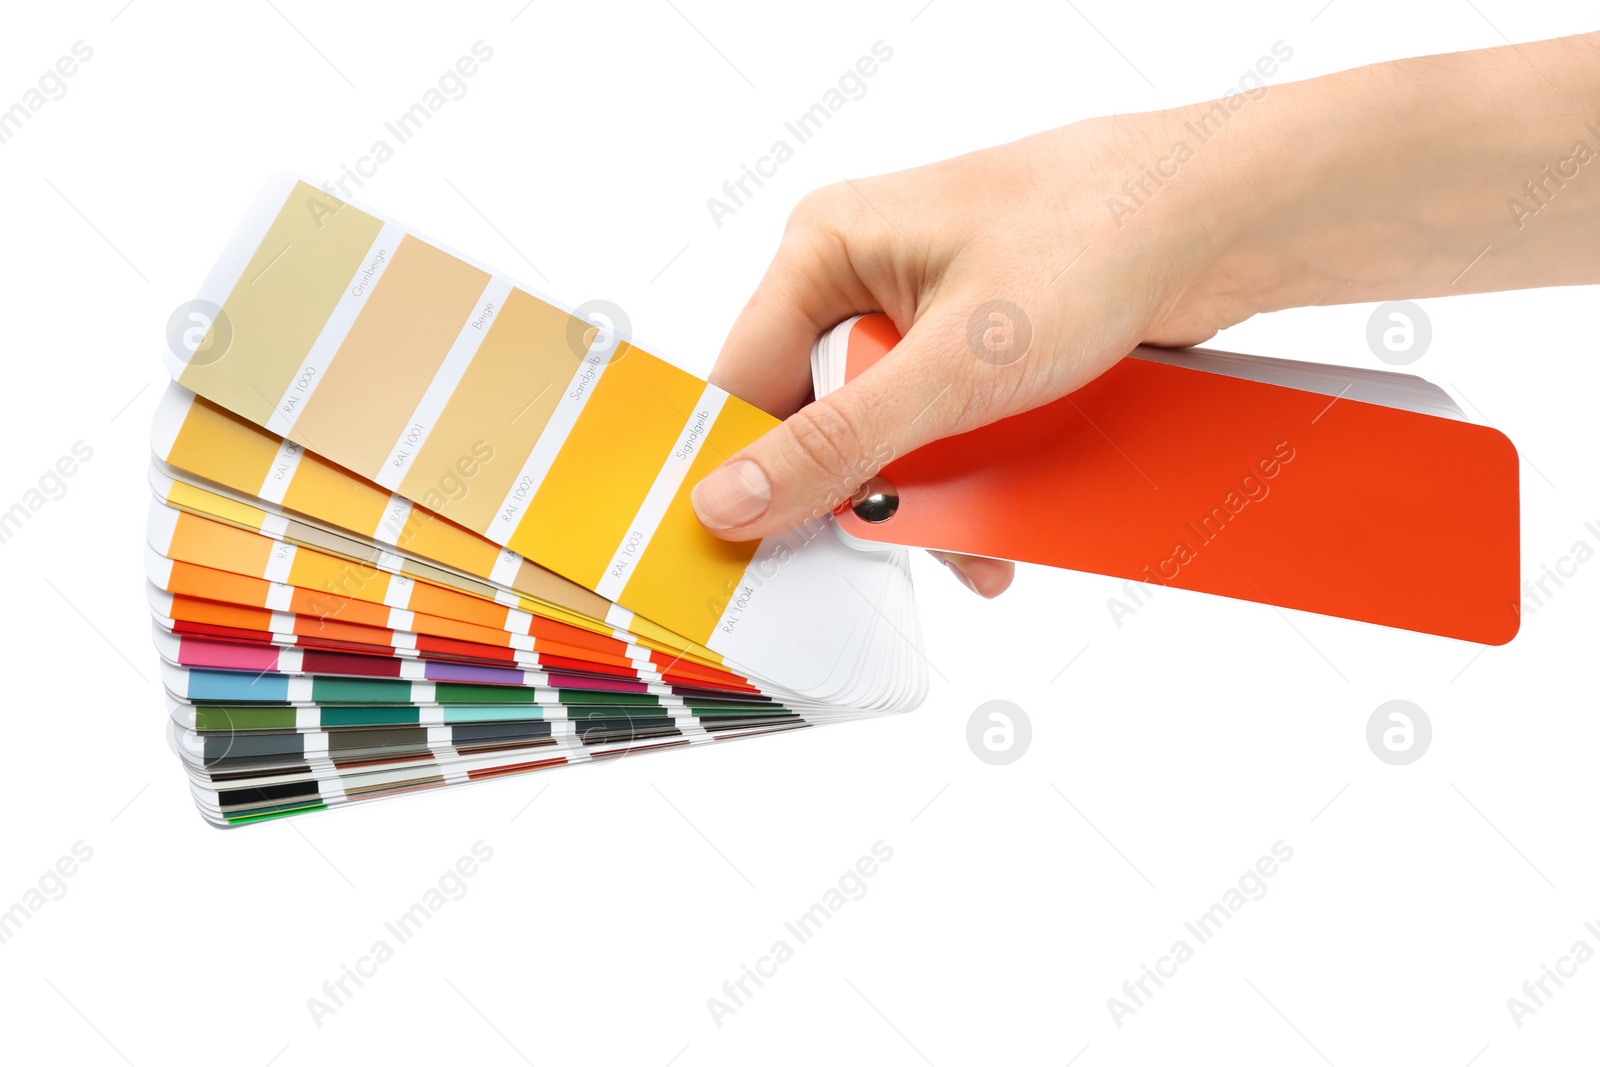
(931,247)
(1018,273)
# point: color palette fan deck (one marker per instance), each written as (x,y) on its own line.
(412,526)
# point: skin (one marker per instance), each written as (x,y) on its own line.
(1381,183)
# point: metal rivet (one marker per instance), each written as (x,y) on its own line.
(876,500)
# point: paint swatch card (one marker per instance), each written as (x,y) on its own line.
(1361,494)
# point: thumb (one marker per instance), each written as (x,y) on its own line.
(817,458)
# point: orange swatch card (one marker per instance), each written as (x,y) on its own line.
(1164,473)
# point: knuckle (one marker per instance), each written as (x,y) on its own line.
(825,441)
(818,207)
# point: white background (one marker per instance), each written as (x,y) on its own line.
(1171,753)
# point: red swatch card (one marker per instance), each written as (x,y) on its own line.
(1165,473)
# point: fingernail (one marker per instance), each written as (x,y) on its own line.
(961,575)
(733,495)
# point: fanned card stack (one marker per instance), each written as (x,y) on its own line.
(414,525)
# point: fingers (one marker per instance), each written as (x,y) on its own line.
(984,576)
(811,463)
